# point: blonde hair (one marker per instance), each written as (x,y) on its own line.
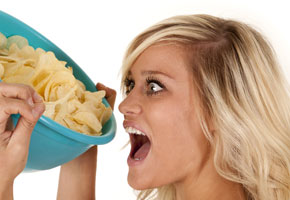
(245,95)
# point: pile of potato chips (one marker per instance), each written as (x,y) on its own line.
(65,97)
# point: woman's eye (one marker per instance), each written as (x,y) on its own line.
(154,87)
(130,84)
(130,87)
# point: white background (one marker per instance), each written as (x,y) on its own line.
(95,35)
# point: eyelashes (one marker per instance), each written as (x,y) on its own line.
(152,85)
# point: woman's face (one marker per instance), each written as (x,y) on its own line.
(167,143)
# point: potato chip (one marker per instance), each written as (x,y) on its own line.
(18,40)
(1,70)
(3,41)
(65,97)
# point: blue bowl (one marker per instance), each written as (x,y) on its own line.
(51,143)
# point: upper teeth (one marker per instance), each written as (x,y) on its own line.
(132,130)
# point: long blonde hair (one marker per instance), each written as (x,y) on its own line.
(245,95)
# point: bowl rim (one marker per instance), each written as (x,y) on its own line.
(26,31)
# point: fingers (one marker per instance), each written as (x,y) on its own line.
(25,126)
(17,98)
(110,94)
(14,106)
(22,99)
(18,91)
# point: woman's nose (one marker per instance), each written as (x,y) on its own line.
(131,105)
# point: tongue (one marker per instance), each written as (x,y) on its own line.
(142,152)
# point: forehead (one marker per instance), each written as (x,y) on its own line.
(170,59)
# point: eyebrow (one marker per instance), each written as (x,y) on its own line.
(151,72)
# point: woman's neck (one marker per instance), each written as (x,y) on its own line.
(208,185)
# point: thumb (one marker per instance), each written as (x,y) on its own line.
(22,132)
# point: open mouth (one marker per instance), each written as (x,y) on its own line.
(140,144)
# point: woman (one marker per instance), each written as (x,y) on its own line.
(207,110)
(212,101)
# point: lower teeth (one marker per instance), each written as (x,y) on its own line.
(137,158)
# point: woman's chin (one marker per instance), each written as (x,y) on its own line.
(136,186)
(138,183)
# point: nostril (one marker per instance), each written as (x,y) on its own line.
(129,113)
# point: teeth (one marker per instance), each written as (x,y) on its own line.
(137,158)
(132,130)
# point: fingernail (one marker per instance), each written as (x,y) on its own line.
(36,97)
(36,111)
(101,85)
(30,102)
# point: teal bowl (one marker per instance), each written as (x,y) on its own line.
(51,143)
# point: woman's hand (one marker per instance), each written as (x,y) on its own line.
(110,94)
(14,143)
(77,177)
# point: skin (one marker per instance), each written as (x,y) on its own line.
(180,153)
(79,175)
(14,142)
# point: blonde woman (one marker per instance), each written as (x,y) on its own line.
(207,109)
